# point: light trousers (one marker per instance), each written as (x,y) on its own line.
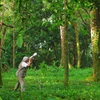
(21,83)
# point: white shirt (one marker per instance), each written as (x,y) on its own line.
(24,64)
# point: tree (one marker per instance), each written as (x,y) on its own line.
(95,38)
(13,51)
(0,77)
(13,43)
(77,42)
(64,43)
(2,33)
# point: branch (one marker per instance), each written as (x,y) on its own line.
(82,18)
(2,49)
(86,11)
(88,27)
(1,23)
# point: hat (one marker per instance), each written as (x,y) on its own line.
(25,58)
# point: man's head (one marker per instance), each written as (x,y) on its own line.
(25,58)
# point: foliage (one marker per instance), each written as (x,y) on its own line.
(19,41)
(36,26)
(47,84)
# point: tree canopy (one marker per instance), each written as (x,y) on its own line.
(28,26)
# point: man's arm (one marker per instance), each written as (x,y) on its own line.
(32,57)
(29,63)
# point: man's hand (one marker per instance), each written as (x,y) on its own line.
(35,54)
(32,57)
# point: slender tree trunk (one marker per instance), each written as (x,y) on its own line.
(0,76)
(78,46)
(74,54)
(95,39)
(77,43)
(13,52)
(64,44)
(1,28)
(0,66)
(62,34)
(3,32)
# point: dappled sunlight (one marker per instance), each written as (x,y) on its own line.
(90,79)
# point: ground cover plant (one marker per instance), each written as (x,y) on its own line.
(47,83)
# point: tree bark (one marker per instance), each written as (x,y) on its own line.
(62,34)
(95,39)
(13,51)
(64,40)
(74,61)
(77,44)
(1,28)
(0,70)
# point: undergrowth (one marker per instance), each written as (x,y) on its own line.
(47,83)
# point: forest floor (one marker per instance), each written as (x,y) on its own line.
(48,84)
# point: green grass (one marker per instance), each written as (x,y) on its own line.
(47,84)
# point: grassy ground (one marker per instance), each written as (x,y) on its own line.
(47,84)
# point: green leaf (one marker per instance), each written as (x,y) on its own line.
(19,41)
(0,98)
(1,5)
(1,37)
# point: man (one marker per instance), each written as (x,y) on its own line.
(21,72)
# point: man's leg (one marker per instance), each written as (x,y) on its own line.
(17,86)
(22,83)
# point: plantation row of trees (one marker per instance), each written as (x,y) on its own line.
(62,32)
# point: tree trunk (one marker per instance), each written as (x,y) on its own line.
(1,30)
(95,39)
(77,43)
(0,70)
(64,44)
(74,54)
(13,52)
(13,49)
(62,34)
